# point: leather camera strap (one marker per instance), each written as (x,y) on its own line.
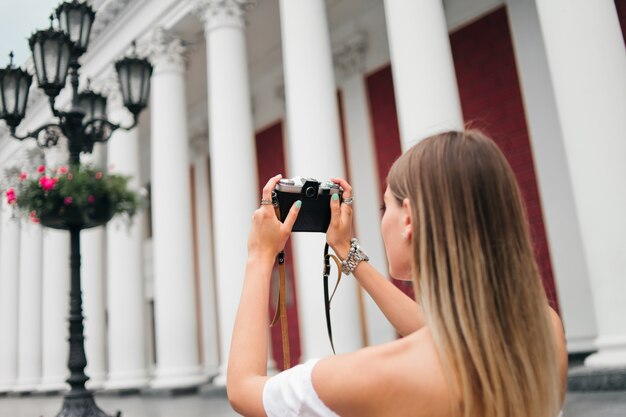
(281,305)
(327,298)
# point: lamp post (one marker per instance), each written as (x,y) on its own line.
(55,53)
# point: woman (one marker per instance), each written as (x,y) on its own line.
(480,340)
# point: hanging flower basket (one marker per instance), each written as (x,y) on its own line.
(64,217)
(64,198)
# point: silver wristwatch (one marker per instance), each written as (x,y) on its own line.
(355,256)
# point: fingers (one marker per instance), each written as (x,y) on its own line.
(269,187)
(335,211)
(347,188)
(292,215)
(346,209)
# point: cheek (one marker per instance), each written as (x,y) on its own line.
(398,254)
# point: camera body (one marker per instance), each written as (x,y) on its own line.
(314,213)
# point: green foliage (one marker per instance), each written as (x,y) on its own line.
(81,190)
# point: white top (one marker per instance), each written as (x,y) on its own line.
(291,393)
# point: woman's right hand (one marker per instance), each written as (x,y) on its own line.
(339,231)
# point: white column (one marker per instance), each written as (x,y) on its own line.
(174,299)
(314,150)
(55,302)
(9,283)
(424,81)
(204,248)
(29,317)
(557,198)
(125,297)
(93,275)
(587,60)
(349,63)
(231,146)
(55,309)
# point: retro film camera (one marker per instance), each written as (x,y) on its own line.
(314,214)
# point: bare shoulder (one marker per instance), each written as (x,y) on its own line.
(403,377)
(561,347)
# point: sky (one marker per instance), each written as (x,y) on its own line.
(18,20)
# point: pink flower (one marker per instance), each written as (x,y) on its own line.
(23,176)
(11,196)
(70,176)
(41,169)
(68,200)
(47,183)
(63,170)
(92,198)
(98,175)
(33,217)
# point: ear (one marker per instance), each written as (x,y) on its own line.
(407,222)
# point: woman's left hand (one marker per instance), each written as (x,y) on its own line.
(268,235)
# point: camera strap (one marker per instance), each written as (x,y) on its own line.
(281,305)
(328,299)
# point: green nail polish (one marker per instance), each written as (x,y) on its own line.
(298,204)
(335,197)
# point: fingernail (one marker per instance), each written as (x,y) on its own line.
(298,204)
(335,197)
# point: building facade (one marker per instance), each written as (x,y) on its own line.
(243,90)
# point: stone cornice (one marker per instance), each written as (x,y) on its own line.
(349,56)
(107,14)
(109,86)
(219,13)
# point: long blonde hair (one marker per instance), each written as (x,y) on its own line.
(476,278)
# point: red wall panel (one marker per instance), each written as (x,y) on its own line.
(620,5)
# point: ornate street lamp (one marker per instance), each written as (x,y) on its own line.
(134,74)
(76,19)
(94,106)
(55,54)
(14,86)
(51,53)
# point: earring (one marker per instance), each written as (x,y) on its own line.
(404,235)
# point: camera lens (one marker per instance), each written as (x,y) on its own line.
(310,192)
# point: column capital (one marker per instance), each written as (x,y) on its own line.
(167,51)
(222,13)
(349,55)
(109,85)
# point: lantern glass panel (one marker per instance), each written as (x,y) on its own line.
(84,103)
(64,62)
(22,95)
(10,92)
(51,50)
(99,109)
(75,25)
(39,68)
(86,28)
(146,86)
(136,82)
(122,74)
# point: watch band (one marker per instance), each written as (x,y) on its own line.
(355,256)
